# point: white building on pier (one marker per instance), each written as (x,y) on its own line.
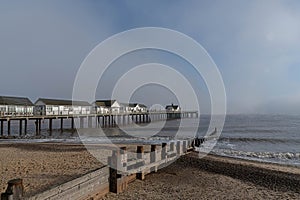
(61,107)
(173,108)
(15,106)
(115,107)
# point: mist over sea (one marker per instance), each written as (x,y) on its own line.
(268,138)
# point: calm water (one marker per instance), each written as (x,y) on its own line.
(270,138)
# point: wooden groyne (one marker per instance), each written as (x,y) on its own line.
(88,121)
(123,168)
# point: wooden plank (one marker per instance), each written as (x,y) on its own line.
(140,155)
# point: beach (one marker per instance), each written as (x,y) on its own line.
(42,166)
(215,177)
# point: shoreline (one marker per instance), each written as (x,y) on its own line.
(44,165)
(258,160)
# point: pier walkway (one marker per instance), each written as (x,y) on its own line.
(100,120)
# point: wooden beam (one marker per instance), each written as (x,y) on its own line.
(153,157)
(140,155)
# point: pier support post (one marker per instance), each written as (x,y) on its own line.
(81,122)
(109,120)
(2,131)
(98,122)
(20,127)
(8,127)
(36,127)
(89,122)
(103,121)
(113,120)
(40,125)
(50,126)
(25,126)
(140,155)
(72,123)
(61,125)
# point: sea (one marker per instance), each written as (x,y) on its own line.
(264,138)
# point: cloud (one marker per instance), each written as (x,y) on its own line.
(255,44)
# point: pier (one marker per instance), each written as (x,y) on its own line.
(88,120)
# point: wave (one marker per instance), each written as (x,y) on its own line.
(260,155)
(253,130)
(263,140)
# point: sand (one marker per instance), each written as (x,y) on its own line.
(215,177)
(42,166)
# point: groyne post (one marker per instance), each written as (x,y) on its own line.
(164,151)
(14,190)
(153,157)
(184,146)
(117,183)
(178,148)
(140,155)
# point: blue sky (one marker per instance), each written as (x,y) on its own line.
(255,44)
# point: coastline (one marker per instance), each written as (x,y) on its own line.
(45,165)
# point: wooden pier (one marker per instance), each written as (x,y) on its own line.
(86,121)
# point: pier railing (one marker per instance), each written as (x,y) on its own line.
(92,120)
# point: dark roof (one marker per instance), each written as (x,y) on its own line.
(63,102)
(128,104)
(141,105)
(132,105)
(172,106)
(104,103)
(16,101)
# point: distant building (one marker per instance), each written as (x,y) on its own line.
(172,108)
(137,107)
(61,107)
(112,106)
(103,106)
(15,106)
(115,107)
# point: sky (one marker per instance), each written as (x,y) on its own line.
(255,45)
